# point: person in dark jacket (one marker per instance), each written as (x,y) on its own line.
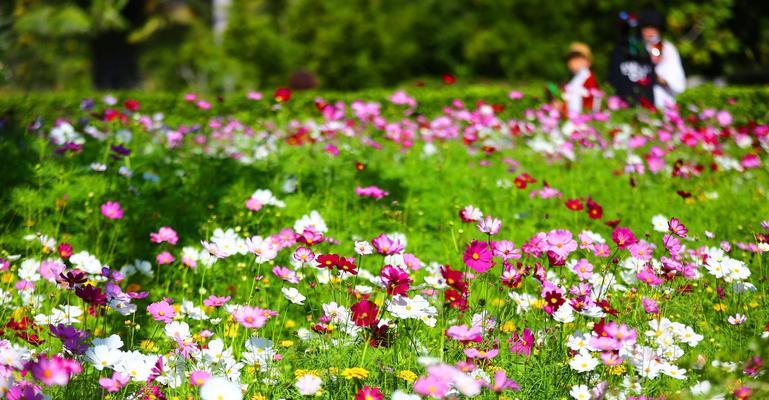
(631,71)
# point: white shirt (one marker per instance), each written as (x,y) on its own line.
(670,69)
(575,90)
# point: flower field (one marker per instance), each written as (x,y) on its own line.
(375,247)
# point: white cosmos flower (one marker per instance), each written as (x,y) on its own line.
(413,308)
(265,197)
(313,221)
(580,392)
(564,314)
(177,329)
(308,384)
(660,223)
(363,248)
(219,388)
(102,356)
(293,295)
(583,362)
(674,372)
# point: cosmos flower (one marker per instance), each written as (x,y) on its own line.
(112,210)
(478,257)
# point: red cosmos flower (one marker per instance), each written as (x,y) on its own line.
(282,94)
(522,180)
(594,210)
(574,205)
(554,300)
(328,260)
(606,307)
(454,278)
(91,295)
(364,313)
(347,266)
(396,280)
(449,79)
(131,104)
(456,300)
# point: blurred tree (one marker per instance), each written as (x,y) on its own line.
(223,45)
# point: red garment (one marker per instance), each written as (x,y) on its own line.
(588,97)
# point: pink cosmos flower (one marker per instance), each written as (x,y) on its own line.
(55,370)
(303,255)
(112,210)
(561,242)
(252,317)
(114,384)
(199,377)
(641,250)
(370,191)
(433,386)
(522,344)
(672,244)
(583,269)
(677,228)
(481,354)
(164,234)
(490,225)
(648,276)
(465,334)
(161,311)
(601,250)
(165,258)
(412,262)
(253,204)
(286,274)
(506,250)
(470,214)
(50,269)
(215,301)
(478,257)
(502,382)
(650,305)
(387,245)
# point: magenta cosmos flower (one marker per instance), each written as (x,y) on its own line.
(112,210)
(369,393)
(55,370)
(396,280)
(478,256)
(522,344)
(370,191)
(623,237)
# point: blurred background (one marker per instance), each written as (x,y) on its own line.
(221,46)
